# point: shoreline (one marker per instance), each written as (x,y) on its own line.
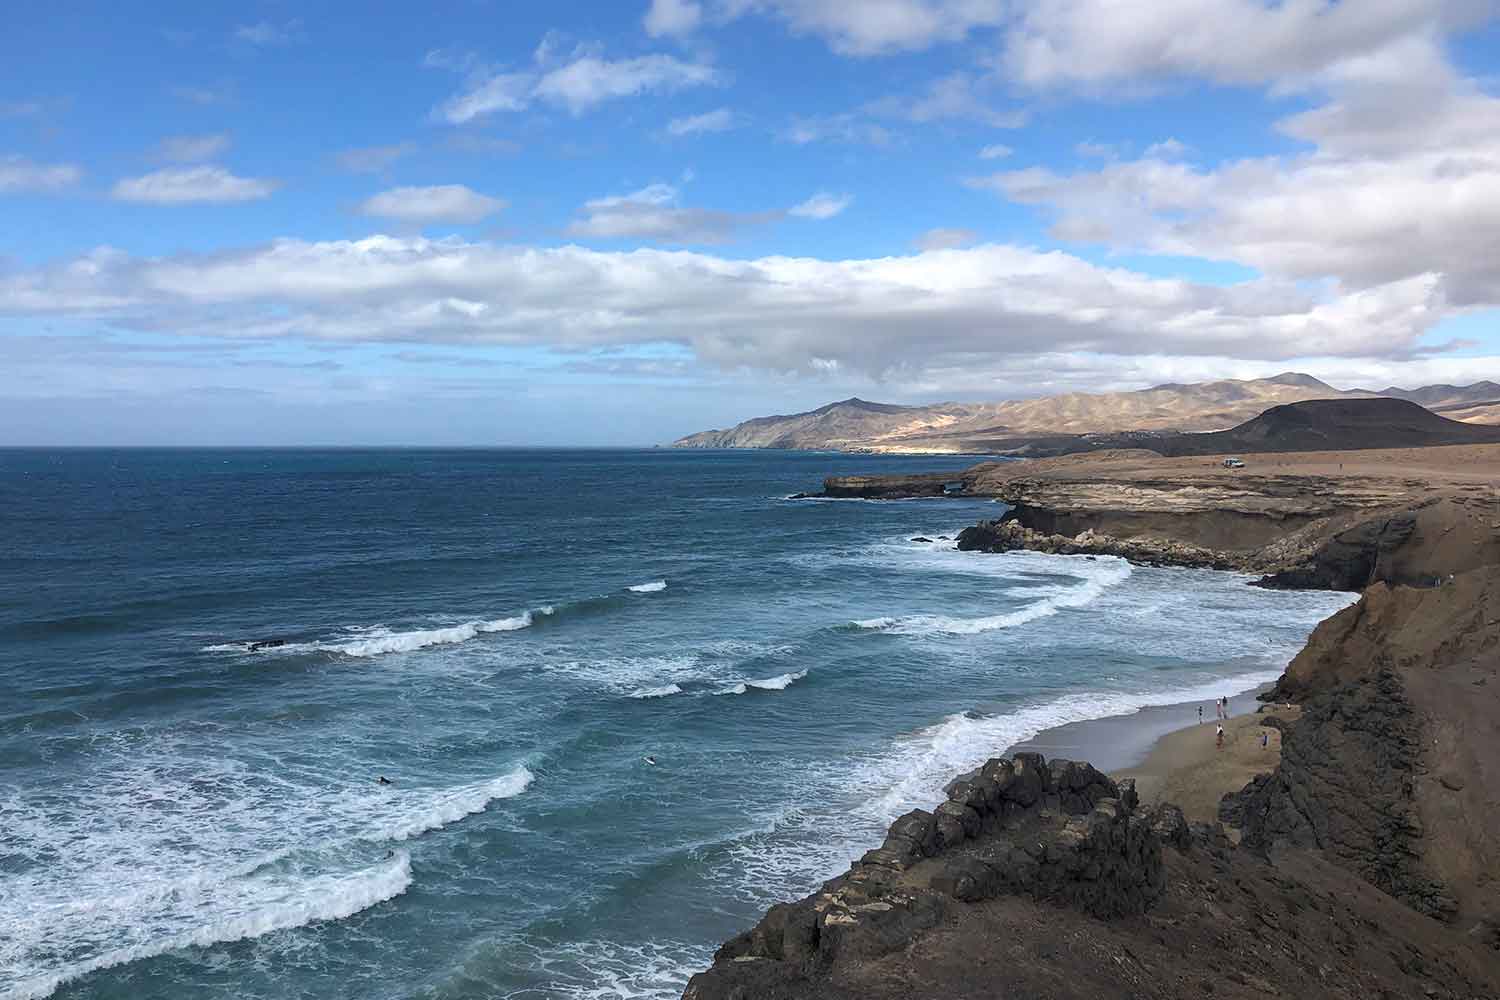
(1118,743)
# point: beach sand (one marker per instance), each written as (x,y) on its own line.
(1169,754)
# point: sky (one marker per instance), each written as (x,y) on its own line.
(492,222)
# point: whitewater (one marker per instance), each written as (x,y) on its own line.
(373,724)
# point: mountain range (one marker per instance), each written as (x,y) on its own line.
(1058,422)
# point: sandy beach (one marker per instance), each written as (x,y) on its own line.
(1171,756)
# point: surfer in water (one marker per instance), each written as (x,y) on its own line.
(649,759)
(383,780)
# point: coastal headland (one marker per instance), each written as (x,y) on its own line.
(1356,854)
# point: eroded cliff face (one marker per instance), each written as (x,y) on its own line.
(1048,879)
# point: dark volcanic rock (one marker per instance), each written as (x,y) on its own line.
(1011,533)
(1350,560)
(1063,833)
(1345,785)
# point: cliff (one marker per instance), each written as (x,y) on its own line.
(1368,858)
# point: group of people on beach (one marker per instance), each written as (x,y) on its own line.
(1221,709)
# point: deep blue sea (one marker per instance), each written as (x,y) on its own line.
(506,635)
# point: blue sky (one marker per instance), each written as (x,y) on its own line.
(590,223)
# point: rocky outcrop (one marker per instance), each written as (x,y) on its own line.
(1345,785)
(1009,533)
(930,484)
(1059,832)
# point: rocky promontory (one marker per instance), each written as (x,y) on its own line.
(1364,863)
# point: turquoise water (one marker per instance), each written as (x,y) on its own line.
(506,635)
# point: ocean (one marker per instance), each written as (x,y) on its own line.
(506,636)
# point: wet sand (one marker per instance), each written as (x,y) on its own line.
(1169,754)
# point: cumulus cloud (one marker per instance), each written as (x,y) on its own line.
(822,206)
(438,203)
(721,120)
(373,159)
(655,213)
(1403,179)
(672,17)
(945,239)
(192,148)
(876,27)
(19,175)
(191,185)
(1094,42)
(987,305)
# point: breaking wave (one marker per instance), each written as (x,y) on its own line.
(1098,577)
(779,683)
(655,586)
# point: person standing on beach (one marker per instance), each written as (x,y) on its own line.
(1219,737)
(1200,715)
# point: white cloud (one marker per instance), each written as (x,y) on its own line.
(487,95)
(946,239)
(586,80)
(373,159)
(981,308)
(591,80)
(18,175)
(191,148)
(268,33)
(875,27)
(721,120)
(672,17)
(1095,150)
(655,213)
(995,152)
(1403,180)
(191,185)
(439,203)
(822,206)
(1093,42)
(1168,149)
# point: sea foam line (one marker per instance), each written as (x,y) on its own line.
(655,586)
(329,897)
(1110,572)
(245,874)
(379,640)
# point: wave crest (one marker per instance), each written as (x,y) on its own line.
(654,587)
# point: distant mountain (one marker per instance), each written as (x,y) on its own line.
(859,425)
(1335,425)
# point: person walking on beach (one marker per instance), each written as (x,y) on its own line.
(1200,715)
(1219,737)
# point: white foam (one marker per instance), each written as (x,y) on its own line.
(176,850)
(912,773)
(330,897)
(377,640)
(655,586)
(779,683)
(1095,577)
(664,691)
